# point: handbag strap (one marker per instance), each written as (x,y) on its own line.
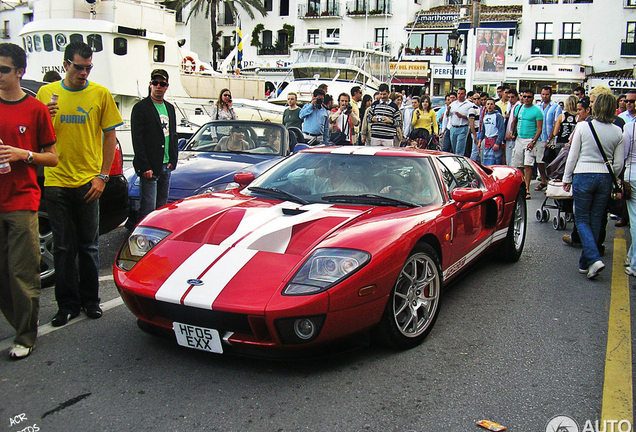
(607,164)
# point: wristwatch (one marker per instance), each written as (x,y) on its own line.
(103,177)
(29,158)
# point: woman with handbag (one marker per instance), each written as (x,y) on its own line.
(591,179)
(629,133)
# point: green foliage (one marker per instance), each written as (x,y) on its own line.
(256,35)
(290,29)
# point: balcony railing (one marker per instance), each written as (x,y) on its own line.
(378,46)
(4,34)
(570,47)
(628,48)
(271,50)
(542,47)
(307,11)
(369,8)
(434,51)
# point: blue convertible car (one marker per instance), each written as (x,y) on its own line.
(217,151)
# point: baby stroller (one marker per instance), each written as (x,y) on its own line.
(422,139)
(563,205)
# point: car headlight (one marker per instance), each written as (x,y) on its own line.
(139,243)
(324,269)
(219,187)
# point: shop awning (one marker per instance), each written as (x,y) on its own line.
(402,80)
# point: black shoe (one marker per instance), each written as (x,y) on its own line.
(62,317)
(93,311)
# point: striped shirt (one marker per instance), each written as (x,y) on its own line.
(380,129)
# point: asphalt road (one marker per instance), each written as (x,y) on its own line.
(516,344)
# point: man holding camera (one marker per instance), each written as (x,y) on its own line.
(385,118)
(315,119)
(344,119)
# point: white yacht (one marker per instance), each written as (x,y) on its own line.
(129,39)
(339,67)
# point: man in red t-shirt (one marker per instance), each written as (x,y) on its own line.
(27,139)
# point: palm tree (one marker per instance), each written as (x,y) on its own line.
(210,7)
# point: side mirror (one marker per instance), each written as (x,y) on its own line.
(463,196)
(181,143)
(244,178)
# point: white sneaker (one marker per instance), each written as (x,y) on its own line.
(595,269)
(583,271)
(630,271)
(19,352)
(627,262)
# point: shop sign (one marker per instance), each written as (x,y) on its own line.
(621,83)
(410,68)
(436,18)
(447,72)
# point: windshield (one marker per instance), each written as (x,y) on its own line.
(355,179)
(240,137)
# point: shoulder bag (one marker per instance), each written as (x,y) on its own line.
(617,190)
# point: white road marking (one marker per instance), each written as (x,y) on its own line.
(48,328)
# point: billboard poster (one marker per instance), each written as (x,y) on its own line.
(490,54)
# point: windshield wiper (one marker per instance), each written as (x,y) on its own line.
(369,199)
(278,193)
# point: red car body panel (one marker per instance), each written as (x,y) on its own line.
(245,251)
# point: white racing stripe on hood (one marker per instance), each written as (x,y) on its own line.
(177,284)
(218,277)
(275,235)
(254,218)
(261,229)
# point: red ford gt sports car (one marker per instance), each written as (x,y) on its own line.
(329,243)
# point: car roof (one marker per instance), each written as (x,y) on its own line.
(373,151)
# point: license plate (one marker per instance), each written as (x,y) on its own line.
(200,338)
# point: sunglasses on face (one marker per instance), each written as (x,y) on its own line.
(159,83)
(227,95)
(626,100)
(6,69)
(526,96)
(81,68)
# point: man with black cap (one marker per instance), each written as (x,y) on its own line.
(154,137)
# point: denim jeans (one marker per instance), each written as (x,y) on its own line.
(591,193)
(631,209)
(75,227)
(458,137)
(446,146)
(153,192)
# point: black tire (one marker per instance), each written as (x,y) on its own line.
(47,264)
(512,246)
(414,303)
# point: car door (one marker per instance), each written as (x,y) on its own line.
(468,226)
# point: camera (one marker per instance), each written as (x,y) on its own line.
(348,107)
(318,102)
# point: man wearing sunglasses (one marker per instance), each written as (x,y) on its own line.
(27,141)
(84,118)
(154,136)
(629,115)
(527,126)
